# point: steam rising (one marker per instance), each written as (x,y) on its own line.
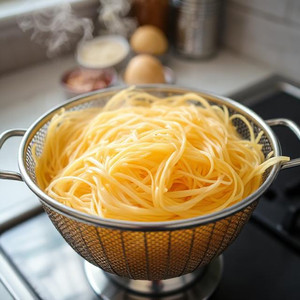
(113,15)
(56,28)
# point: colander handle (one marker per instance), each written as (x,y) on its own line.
(3,137)
(295,129)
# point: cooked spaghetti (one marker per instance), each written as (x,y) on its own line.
(143,158)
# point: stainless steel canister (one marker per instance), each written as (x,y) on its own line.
(196,27)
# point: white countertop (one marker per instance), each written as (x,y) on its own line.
(28,93)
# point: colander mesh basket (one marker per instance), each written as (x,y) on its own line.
(144,252)
(150,255)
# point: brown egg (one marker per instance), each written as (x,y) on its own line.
(149,39)
(144,68)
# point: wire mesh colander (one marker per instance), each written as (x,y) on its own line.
(137,250)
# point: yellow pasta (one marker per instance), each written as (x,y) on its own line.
(143,158)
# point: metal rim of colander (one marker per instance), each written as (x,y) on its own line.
(148,226)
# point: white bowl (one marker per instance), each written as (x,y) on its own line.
(108,76)
(103,52)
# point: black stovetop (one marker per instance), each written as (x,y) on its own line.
(263,262)
(279,209)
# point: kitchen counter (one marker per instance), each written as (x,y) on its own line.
(28,93)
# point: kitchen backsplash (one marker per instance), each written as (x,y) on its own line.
(267,31)
(18,50)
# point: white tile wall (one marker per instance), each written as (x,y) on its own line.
(6,60)
(273,7)
(252,36)
(293,11)
(16,48)
(272,40)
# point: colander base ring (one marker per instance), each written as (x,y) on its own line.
(197,285)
